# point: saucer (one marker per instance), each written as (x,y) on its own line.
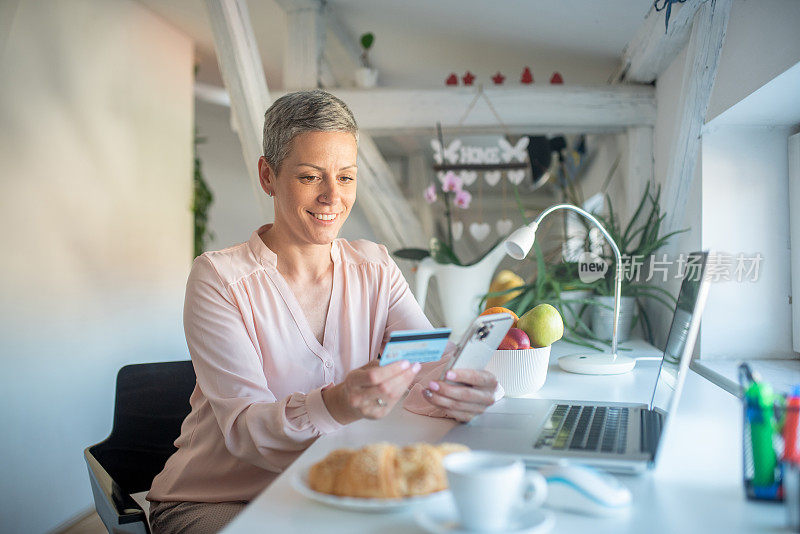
(444,520)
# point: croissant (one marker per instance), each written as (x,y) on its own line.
(383,471)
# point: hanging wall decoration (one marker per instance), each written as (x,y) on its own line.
(527,76)
(468,78)
(556,78)
(452,79)
(498,78)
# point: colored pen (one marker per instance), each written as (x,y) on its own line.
(760,401)
(791,427)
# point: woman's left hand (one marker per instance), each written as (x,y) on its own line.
(463,401)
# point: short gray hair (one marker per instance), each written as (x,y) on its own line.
(301,112)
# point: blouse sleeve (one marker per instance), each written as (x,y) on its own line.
(257,427)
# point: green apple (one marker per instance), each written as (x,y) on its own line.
(543,324)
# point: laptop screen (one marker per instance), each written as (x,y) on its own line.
(682,332)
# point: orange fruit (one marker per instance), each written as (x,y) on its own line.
(500,309)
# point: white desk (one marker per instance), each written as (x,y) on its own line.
(695,488)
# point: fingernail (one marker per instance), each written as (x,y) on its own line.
(416,367)
(451,375)
(433,385)
(427,393)
(405,364)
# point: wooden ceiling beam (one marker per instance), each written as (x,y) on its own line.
(243,75)
(699,72)
(652,48)
(561,106)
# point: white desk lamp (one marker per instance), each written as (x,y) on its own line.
(519,244)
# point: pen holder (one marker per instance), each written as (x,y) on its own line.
(771,434)
(763,448)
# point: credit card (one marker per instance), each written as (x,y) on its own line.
(416,346)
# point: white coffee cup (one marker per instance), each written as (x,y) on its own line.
(487,488)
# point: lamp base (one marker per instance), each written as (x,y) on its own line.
(597,364)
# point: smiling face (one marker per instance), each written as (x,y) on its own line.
(315,187)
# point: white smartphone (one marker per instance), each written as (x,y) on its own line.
(479,342)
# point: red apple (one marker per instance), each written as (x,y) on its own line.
(515,339)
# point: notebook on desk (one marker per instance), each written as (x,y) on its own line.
(618,437)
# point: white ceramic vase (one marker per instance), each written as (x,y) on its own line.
(365,77)
(460,288)
(520,372)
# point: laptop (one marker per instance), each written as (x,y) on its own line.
(616,437)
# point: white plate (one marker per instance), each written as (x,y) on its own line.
(300,483)
(444,520)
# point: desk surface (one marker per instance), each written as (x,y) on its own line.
(696,486)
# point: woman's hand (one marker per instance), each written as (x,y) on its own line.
(370,391)
(463,402)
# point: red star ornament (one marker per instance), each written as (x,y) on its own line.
(468,78)
(498,78)
(556,78)
(451,80)
(527,76)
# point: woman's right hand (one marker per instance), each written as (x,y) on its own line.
(370,391)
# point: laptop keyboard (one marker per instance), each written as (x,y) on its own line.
(585,428)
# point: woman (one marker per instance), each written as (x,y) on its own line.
(284,330)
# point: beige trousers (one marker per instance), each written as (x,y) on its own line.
(192,517)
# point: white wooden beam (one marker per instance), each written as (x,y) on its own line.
(702,59)
(305,37)
(652,49)
(243,74)
(557,107)
(561,109)
(640,164)
(387,209)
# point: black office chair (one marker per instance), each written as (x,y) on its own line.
(152,401)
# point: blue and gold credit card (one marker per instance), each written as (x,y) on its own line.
(416,346)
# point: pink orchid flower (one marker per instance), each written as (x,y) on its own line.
(451,182)
(430,194)
(463,198)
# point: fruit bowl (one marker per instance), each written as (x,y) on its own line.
(520,372)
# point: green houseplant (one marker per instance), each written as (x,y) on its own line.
(201,203)
(639,240)
(640,237)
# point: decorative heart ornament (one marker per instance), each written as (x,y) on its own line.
(468,177)
(492,177)
(516,176)
(458,229)
(504,226)
(480,231)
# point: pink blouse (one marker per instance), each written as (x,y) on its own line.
(260,370)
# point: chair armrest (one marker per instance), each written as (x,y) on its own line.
(114,506)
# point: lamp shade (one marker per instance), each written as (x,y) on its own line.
(520,242)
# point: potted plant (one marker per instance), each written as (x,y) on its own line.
(366,76)
(559,284)
(637,242)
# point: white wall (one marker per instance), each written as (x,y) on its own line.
(761,41)
(746,210)
(95,189)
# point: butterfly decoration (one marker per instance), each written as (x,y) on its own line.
(450,153)
(517,151)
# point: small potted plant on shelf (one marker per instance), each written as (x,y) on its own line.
(366,76)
